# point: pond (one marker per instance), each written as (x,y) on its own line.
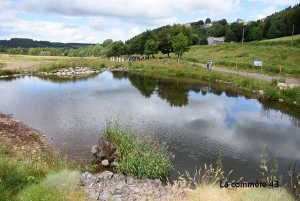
(197,119)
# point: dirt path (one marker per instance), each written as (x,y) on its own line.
(259,76)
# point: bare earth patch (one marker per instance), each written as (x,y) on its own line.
(20,136)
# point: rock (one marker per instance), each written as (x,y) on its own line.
(129,181)
(114,164)
(261,92)
(95,149)
(105,163)
(295,102)
(87,177)
(281,100)
(282,86)
(294,85)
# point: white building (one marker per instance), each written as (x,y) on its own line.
(214,40)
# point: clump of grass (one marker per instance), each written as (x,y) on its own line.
(2,65)
(245,54)
(8,72)
(291,95)
(271,93)
(137,155)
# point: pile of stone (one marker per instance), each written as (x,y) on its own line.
(106,159)
(71,72)
(282,86)
(117,187)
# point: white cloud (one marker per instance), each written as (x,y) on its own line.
(146,12)
(60,32)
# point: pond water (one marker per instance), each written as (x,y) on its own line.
(197,119)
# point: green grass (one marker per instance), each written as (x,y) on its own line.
(58,186)
(8,72)
(33,176)
(275,55)
(138,156)
(286,38)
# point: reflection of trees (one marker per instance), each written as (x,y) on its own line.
(119,75)
(144,84)
(8,79)
(173,93)
(269,107)
(56,79)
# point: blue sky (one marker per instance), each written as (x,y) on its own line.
(93,21)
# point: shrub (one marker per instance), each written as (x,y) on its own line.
(271,92)
(138,156)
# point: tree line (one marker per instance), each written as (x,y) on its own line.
(176,38)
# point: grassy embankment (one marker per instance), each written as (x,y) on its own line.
(276,56)
(28,175)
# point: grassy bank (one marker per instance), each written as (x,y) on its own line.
(30,169)
(275,56)
(28,175)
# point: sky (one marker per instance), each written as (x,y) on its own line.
(93,21)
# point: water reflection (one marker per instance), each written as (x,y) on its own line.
(198,119)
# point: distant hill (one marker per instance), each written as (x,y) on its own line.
(28,43)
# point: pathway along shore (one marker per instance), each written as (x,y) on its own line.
(259,76)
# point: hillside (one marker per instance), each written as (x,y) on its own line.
(28,43)
(286,38)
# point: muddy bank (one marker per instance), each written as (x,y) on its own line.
(20,136)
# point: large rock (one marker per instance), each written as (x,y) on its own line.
(105,163)
(282,86)
(294,85)
(95,149)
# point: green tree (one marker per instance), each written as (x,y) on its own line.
(223,22)
(237,29)
(178,28)
(257,34)
(107,42)
(195,39)
(165,43)
(203,41)
(117,48)
(97,50)
(229,36)
(151,47)
(180,45)
(145,36)
(207,21)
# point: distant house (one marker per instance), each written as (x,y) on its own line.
(240,21)
(208,25)
(188,24)
(214,41)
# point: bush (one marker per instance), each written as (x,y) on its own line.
(271,92)
(138,156)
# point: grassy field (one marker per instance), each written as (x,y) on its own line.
(242,56)
(286,38)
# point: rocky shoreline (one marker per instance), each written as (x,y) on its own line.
(109,186)
(69,72)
